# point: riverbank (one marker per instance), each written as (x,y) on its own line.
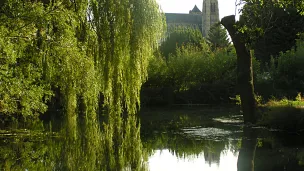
(283,114)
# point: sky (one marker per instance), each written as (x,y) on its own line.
(226,7)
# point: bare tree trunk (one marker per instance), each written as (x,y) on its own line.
(244,71)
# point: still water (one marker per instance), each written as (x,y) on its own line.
(179,140)
(216,155)
(163,160)
(216,140)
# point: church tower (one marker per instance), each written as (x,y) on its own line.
(210,15)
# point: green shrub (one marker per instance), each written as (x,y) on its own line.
(285,75)
(192,75)
(284,114)
(179,36)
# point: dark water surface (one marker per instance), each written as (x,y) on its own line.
(183,139)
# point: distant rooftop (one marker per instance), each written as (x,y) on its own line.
(183,18)
(195,10)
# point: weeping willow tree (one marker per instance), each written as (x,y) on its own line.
(127,32)
(42,50)
(83,48)
(72,53)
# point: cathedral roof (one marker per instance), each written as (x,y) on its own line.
(183,18)
(195,10)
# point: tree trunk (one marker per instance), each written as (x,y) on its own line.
(244,71)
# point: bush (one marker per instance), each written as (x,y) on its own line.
(180,36)
(192,75)
(284,114)
(285,75)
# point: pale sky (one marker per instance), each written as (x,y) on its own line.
(226,7)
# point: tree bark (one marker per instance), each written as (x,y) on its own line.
(244,71)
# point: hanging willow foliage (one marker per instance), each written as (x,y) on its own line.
(127,32)
(77,50)
(82,49)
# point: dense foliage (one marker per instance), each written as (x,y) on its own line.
(271,27)
(218,37)
(285,76)
(179,36)
(75,50)
(202,76)
(198,75)
(192,75)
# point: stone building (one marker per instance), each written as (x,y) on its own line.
(202,20)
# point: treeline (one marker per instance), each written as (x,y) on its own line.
(197,72)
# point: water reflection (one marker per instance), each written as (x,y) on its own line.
(247,151)
(228,146)
(186,150)
(85,146)
(163,160)
(117,144)
(255,150)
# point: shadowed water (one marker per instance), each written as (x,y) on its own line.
(217,140)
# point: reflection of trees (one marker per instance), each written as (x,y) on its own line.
(247,151)
(88,148)
(31,153)
(213,150)
(122,145)
(268,154)
(275,155)
(185,146)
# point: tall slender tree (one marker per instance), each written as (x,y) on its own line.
(218,37)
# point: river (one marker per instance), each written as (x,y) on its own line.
(189,139)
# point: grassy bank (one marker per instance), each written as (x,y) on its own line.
(283,114)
